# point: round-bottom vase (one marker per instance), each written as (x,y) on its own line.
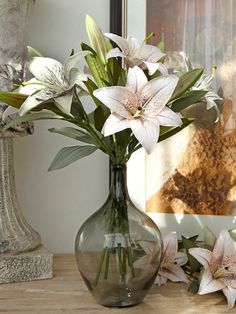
(119,248)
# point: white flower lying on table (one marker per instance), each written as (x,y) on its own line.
(219,267)
(172,261)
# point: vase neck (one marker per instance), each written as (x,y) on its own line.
(118,188)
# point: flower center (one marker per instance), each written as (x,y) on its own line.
(221,272)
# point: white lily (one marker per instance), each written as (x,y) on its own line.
(204,83)
(219,267)
(134,53)
(52,80)
(141,106)
(172,261)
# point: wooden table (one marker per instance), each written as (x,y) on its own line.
(67,293)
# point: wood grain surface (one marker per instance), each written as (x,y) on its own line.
(66,293)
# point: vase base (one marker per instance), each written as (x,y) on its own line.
(34,265)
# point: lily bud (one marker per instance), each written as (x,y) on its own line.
(96,38)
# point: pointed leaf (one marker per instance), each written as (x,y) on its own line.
(209,237)
(12,98)
(187,100)
(186,81)
(194,286)
(195,266)
(91,86)
(166,131)
(76,134)
(68,155)
(101,113)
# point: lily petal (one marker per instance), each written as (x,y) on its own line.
(120,41)
(149,53)
(168,117)
(116,98)
(181,258)
(113,53)
(136,79)
(202,255)
(170,244)
(153,67)
(77,77)
(160,280)
(8,112)
(31,87)
(224,248)
(133,43)
(114,124)
(174,273)
(73,61)
(30,103)
(230,294)
(48,70)
(209,284)
(146,132)
(159,90)
(64,102)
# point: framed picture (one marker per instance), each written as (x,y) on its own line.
(190,179)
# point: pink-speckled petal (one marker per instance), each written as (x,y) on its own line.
(230,294)
(136,79)
(209,284)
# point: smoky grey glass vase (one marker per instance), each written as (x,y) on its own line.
(119,248)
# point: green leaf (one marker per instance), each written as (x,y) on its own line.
(187,99)
(96,67)
(76,134)
(91,86)
(12,98)
(192,239)
(195,266)
(186,81)
(166,131)
(209,237)
(101,113)
(194,286)
(68,155)
(32,52)
(33,117)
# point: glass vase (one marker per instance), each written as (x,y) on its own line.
(119,248)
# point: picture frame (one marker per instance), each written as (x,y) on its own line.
(130,17)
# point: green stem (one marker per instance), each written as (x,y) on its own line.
(107,264)
(130,261)
(120,260)
(100,266)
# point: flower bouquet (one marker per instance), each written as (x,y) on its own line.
(138,101)
(207,266)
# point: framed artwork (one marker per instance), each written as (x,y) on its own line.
(190,179)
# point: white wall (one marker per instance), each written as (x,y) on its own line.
(57,203)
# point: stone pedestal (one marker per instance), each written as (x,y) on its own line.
(27,266)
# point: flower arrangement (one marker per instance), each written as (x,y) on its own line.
(136,105)
(138,101)
(207,266)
